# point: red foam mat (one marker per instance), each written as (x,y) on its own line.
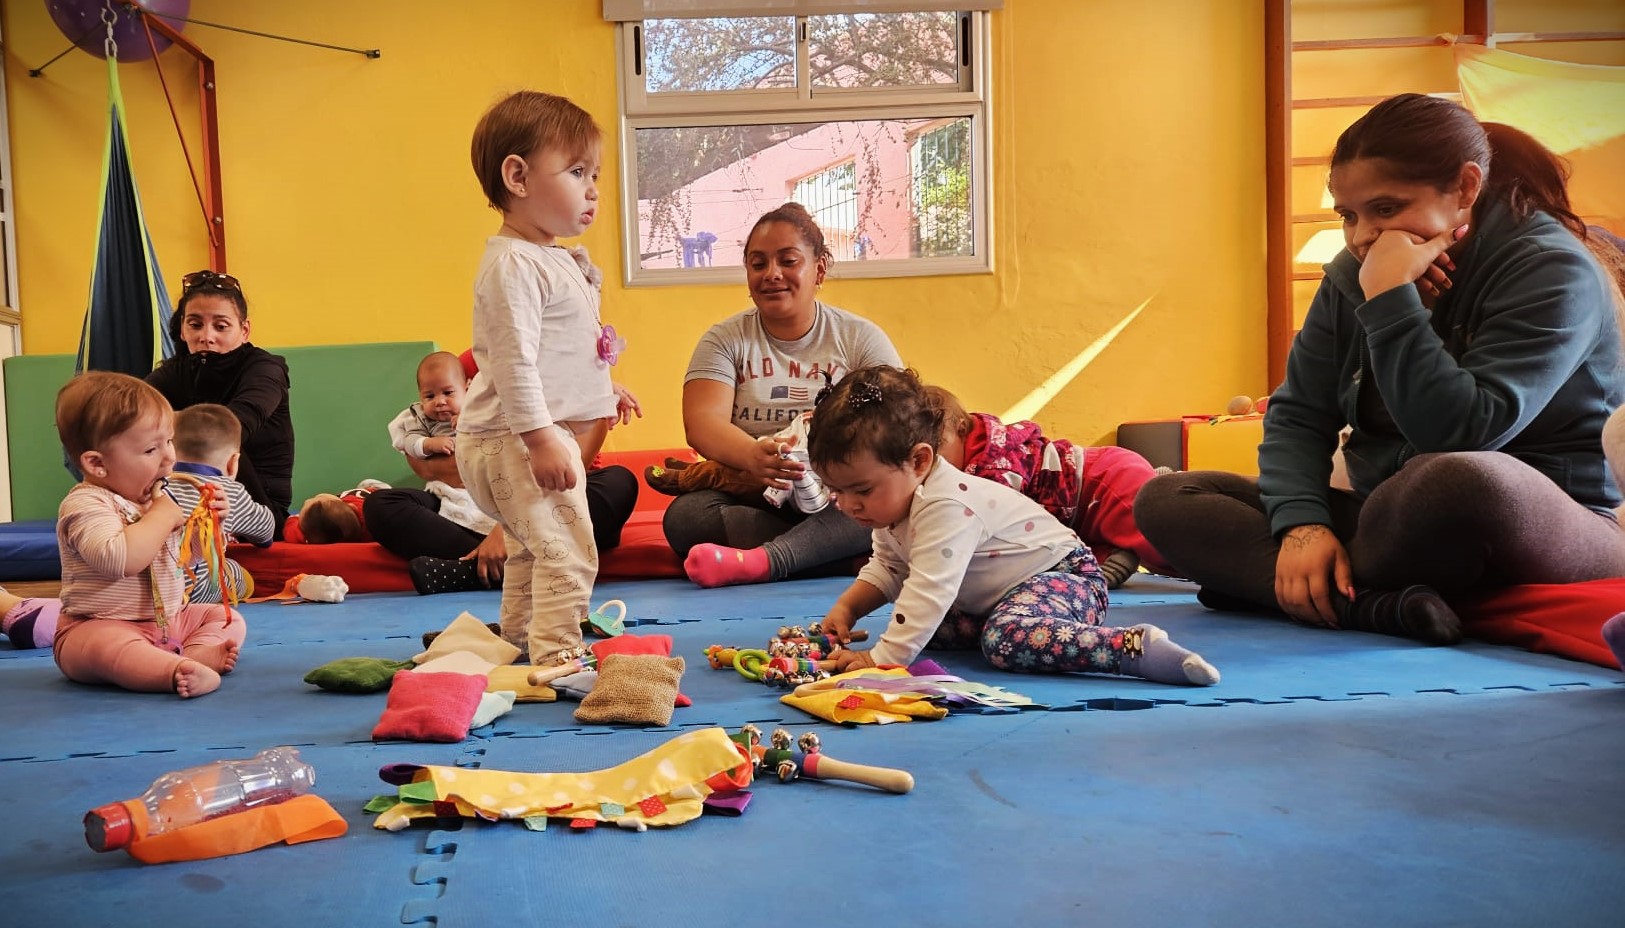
(1564,619)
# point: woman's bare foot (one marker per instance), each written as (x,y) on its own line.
(193,679)
(221,658)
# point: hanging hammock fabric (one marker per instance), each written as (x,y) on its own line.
(1577,110)
(126,326)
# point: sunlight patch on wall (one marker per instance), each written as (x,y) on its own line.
(1029,405)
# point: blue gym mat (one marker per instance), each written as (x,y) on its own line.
(1349,780)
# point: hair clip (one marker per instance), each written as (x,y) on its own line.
(825,390)
(863,394)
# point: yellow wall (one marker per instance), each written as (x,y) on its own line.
(1128,165)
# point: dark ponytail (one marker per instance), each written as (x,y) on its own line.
(1528,177)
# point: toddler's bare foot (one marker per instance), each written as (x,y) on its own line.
(222,657)
(194,679)
(228,662)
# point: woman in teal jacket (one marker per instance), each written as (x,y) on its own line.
(1469,340)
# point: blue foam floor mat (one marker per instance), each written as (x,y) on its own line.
(1335,779)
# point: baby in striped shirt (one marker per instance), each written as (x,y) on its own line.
(208,445)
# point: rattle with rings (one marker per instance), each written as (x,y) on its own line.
(809,761)
(795,657)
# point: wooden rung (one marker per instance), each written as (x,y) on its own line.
(1398,41)
(1307,275)
(1430,41)
(1320,103)
(1305,218)
(1511,38)
(1310,161)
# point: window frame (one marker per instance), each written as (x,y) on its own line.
(969,99)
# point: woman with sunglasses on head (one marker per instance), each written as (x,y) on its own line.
(214,362)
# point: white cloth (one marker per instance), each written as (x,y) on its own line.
(964,543)
(459,507)
(774,380)
(492,707)
(535,341)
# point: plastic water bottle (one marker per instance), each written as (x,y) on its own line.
(197,794)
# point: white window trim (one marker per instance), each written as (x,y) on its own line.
(626,10)
(675,110)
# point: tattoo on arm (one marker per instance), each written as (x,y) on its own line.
(1300,537)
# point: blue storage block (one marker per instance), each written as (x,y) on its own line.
(28,550)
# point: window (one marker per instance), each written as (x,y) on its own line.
(832,198)
(876,122)
(939,163)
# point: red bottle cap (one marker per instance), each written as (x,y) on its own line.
(108,827)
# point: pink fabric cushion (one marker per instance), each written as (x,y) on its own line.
(430,706)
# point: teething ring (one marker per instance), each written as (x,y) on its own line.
(603,624)
(751,662)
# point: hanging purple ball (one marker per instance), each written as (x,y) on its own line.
(81,22)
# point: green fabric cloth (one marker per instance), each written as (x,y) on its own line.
(356,674)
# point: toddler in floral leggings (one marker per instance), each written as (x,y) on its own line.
(968,563)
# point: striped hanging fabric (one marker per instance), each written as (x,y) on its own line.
(126,326)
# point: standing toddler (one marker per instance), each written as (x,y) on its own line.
(543,355)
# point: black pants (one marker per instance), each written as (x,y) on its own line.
(1459,522)
(797,545)
(408,522)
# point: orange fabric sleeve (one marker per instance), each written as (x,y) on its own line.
(300,819)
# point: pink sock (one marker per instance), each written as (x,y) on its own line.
(718,565)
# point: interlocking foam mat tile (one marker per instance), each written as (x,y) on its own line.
(355,880)
(1304,814)
(1349,780)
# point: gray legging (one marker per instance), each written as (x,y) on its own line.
(1459,522)
(795,543)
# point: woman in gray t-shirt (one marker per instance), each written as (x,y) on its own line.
(750,375)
